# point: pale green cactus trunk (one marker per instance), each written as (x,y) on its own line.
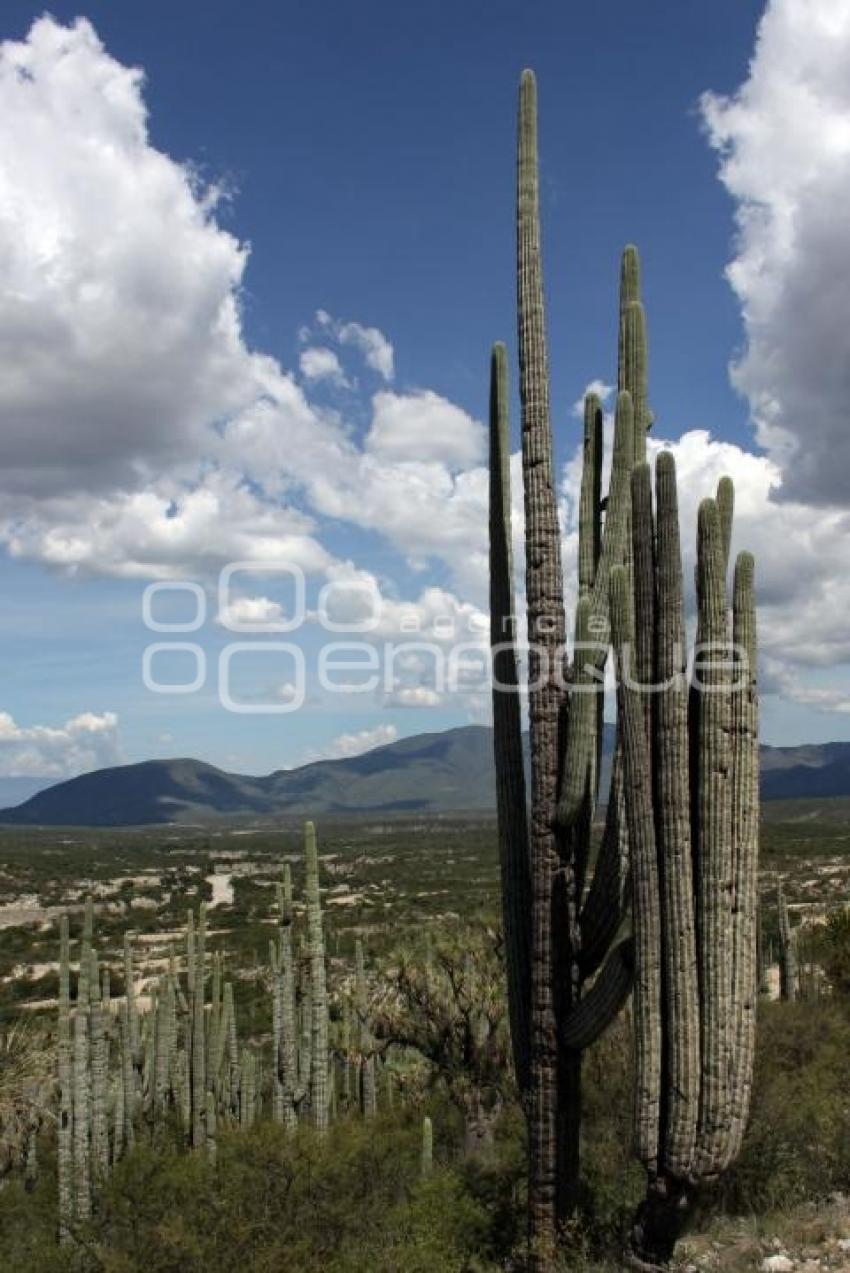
(99,1077)
(197,962)
(695,937)
(788,975)
(65,1128)
(427,1161)
(684,788)
(366,1043)
(318,985)
(287,1056)
(82,1098)
(551,1022)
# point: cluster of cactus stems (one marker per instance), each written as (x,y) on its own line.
(680,842)
(123,1068)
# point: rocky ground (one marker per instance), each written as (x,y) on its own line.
(809,1239)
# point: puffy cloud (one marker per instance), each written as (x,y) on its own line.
(318,363)
(166,532)
(119,319)
(784,145)
(372,344)
(345,745)
(88,741)
(422,427)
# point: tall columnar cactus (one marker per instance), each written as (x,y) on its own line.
(81,1081)
(318,985)
(287,1054)
(554,942)
(427,1159)
(684,782)
(366,1043)
(788,979)
(65,1128)
(99,1075)
(695,967)
(196,954)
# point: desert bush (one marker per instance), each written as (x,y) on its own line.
(797,1146)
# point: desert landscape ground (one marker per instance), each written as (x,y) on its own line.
(388,883)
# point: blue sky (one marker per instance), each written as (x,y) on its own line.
(365,157)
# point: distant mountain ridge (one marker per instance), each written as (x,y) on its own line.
(448,772)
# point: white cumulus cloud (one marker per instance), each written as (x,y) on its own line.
(784,145)
(88,741)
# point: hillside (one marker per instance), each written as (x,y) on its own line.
(448,772)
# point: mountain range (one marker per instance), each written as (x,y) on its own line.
(448,772)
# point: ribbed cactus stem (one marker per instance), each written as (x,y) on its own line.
(507,726)
(590,502)
(99,1077)
(788,978)
(211,1130)
(368,1092)
(82,1114)
(287,1059)
(163,1047)
(65,1128)
(745,830)
(645,885)
(713,840)
(318,984)
(681,1006)
(199,1079)
(725,500)
(128,1086)
(546,639)
(427,1160)
(130,995)
(247,1092)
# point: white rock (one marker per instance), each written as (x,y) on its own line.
(777,1264)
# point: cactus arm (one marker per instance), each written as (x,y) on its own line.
(609,894)
(82,1114)
(634,333)
(712,841)
(507,726)
(643,550)
(745,820)
(427,1157)
(645,890)
(681,1006)
(725,499)
(590,499)
(287,1060)
(367,1059)
(602,1003)
(546,638)
(65,1129)
(99,1076)
(581,735)
(318,986)
(199,1084)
